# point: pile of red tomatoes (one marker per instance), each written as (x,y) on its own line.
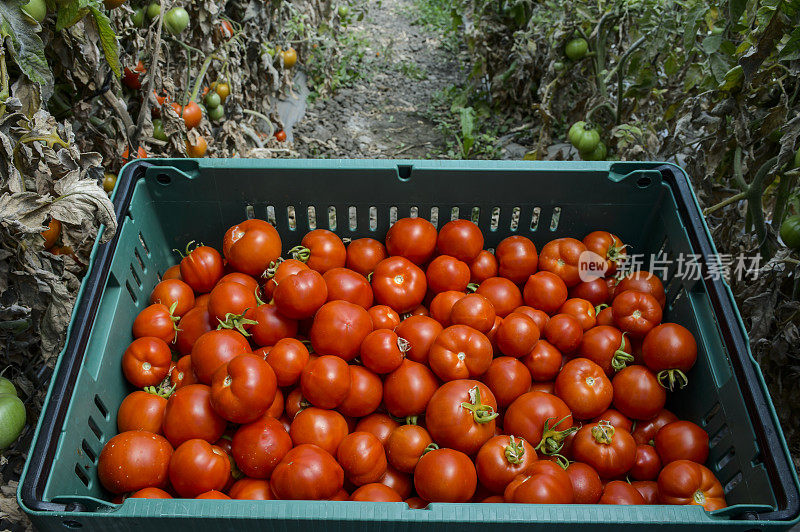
(421,369)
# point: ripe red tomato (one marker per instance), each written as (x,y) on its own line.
(380,425)
(647,464)
(146,361)
(399,283)
(507,378)
(517,258)
(616,419)
(258,447)
(544,361)
(619,492)
(406,445)
(233,299)
(544,387)
(132,78)
(382,351)
(461,415)
(420,331)
(365,393)
(473,310)
(581,310)
(543,483)
(141,411)
(252,489)
(670,351)
(324,428)
(645,431)
(564,332)
(173,272)
(504,295)
(517,335)
(276,274)
(299,296)
(586,484)
(243,389)
(445,475)
(339,328)
(442,305)
(610,451)
(608,246)
(349,286)
(214,349)
(362,457)
(687,482)
(461,239)
(364,254)
(276,408)
(482,267)
(321,250)
(545,291)
(412,238)
(325,381)
(251,246)
(594,291)
(182,374)
(340,495)
(408,389)
(196,467)
(375,492)
(607,347)
(150,493)
(134,460)
(460,352)
(501,459)
(542,419)
(189,415)
(584,387)
(272,326)
(192,326)
(447,273)
(213,494)
(606,317)
(637,393)
(173,292)
(682,440)
(155,320)
(648,489)
(636,312)
(287,358)
(643,281)
(383,317)
(307,472)
(415,503)
(202,268)
(561,257)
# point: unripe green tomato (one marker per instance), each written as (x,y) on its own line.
(153,10)
(576,48)
(588,140)
(6,386)
(36,9)
(790,231)
(343,11)
(217,113)
(158,130)
(176,20)
(212,100)
(138,17)
(574,131)
(597,154)
(12,419)
(558,66)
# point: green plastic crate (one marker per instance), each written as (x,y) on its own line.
(162,204)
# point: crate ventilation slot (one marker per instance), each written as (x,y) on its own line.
(131,292)
(312,217)
(139,260)
(515,212)
(144,244)
(135,277)
(476,215)
(454,213)
(555,218)
(249,212)
(101,407)
(716,438)
(81,474)
(290,215)
(392,215)
(352,217)
(271,215)
(414,212)
(435,216)
(726,458)
(88,451)
(373,218)
(95,429)
(732,483)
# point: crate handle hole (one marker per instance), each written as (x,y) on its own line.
(644,181)
(404,171)
(72,524)
(164,179)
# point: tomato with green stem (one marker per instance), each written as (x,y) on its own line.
(251,246)
(606,346)
(156,320)
(542,419)
(687,482)
(611,451)
(138,17)
(576,49)
(176,20)
(670,351)
(461,415)
(501,459)
(406,445)
(215,349)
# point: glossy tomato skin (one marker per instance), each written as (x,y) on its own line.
(324,428)
(545,291)
(155,320)
(461,239)
(610,451)
(375,492)
(402,483)
(608,246)
(420,331)
(584,387)
(243,279)
(586,484)
(507,378)
(669,348)
(141,411)
(528,415)
(183,374)
(460,352)
(285,269)
(339,328)
(299,296)
(213,494)
(581,310)
(473,310)
(687,482)
(606,317)
(134,460)
(647,464)
(251,489)
(637,393)
(194,324)
(150,493)
(648,489)
(382,351)
(383,317)
(482,267)
(594,291)
(442,305)
(564,332)
(380,425)
(243,389)
(517,258)
(196,467)
(543,483)
(561,257)
(365,393)
(619,492)
(544,361)
(636,312)
(617,420)
(539,317)
(606,346)
(399,284)
(214,349)
(645,431)
(682,440)
(173,272)
(447,273)
(230,298)
(412,238)
(146,361)
(325,381)
(643,281)
(189,415)
(362,457)
(258,447)
(445,475)
(251,246)
(307,472)
(327,250)
(461,415)
(349,286)
(287,358)
(517,335)
(272,326)
(501,459)
(202,268)
(173,291)
(364,254)
(408,389)
(406,445)
(504,295)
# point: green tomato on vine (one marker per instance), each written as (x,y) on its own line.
(212,100)
(217,113)
(576,49)
(790,231)
(176,20)
(153,10)
(158,130)
(12,413)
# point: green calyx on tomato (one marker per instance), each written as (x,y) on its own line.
(216,113)
(212,100)
(176,20)
(790,232)
(35,9)
(480,412)
(236,322)
(576,49)
(514,451)
(668,378)
(603,432)
(585,138)
(552,439)
(158,130)
(153,10)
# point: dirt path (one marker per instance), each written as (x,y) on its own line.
(384,114)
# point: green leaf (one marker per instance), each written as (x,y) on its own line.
(694,76)
(27,48)
(691,27)
(671,65)
(712,43)
(733,78)
(736,9)
(467,129)
(791,50)
(71,12)
(108,40)
(719,66)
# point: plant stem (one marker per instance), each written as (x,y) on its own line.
(3,80)
(725,202)
(262,117)
(145,109)
(754,193)
(785,187)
